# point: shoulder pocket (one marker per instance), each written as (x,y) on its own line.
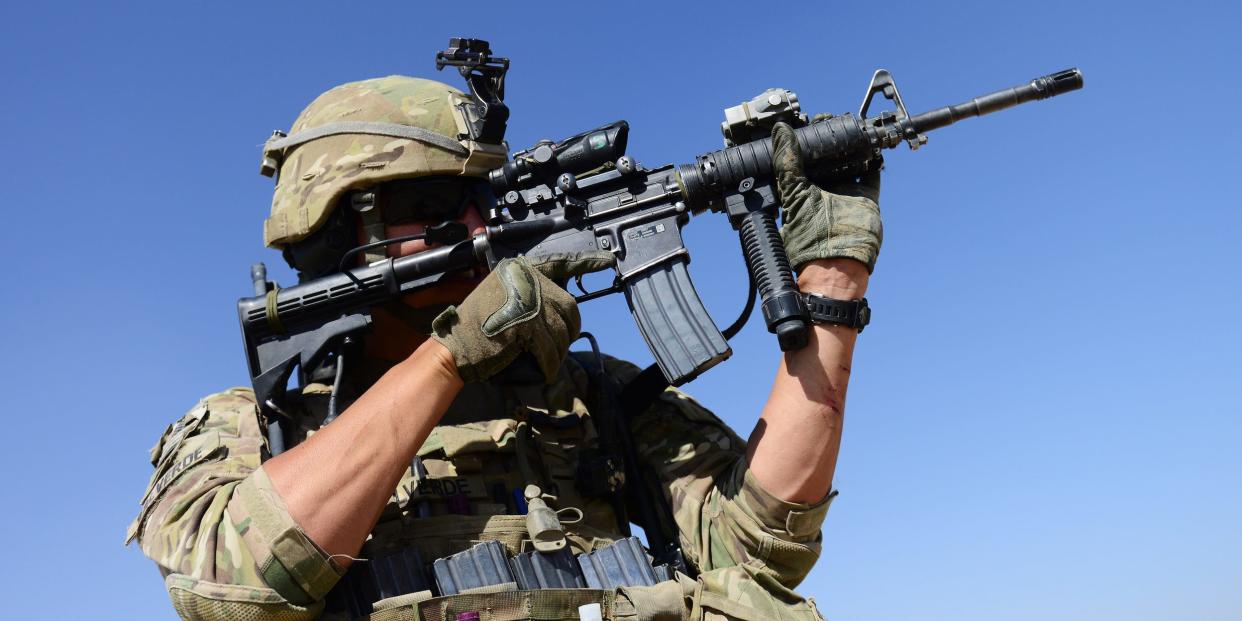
(194,451)
(221,427)
(176,433)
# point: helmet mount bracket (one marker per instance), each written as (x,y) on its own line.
(488,115)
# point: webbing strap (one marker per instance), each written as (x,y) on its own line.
(540,605)
(279,146)
(292,565)
(642,391)
(399,608)
(273,317)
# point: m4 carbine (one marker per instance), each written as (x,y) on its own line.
(584,193)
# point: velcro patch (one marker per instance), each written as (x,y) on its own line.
(177,433)
(209,447)
(440,488)
(211,444)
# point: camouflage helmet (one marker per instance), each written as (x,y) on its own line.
(362,134)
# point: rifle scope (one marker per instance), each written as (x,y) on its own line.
(547,161)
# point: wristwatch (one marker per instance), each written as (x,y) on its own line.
(853,313)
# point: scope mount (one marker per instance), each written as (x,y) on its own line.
(753,119)
(485,75)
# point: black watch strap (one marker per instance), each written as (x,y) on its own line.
(853,313)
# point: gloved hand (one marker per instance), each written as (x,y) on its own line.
(817,223)
(517,308)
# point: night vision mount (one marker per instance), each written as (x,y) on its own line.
(485,75)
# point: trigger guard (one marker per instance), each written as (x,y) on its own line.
(587,296)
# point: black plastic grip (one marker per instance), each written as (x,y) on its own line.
(768,263)
(671,317)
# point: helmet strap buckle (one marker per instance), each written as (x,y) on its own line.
(363,202)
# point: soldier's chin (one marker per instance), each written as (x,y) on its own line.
(415,318)
(451,289)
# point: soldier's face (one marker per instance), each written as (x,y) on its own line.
(453,289)
(403,325)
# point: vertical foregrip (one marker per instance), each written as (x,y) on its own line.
(673,321)
(766,258)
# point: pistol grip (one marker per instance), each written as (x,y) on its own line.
(671,317)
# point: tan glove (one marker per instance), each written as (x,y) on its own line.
(818,223)
(517,308)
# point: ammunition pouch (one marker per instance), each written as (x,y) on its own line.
(663,602)
(528,585)
(398,557)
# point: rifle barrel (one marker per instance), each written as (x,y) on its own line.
(1039,88)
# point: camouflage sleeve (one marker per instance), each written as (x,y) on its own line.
(220,534)
(750,547)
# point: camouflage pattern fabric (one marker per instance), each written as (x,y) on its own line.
(752,548)
(314,175)
(229,550)
(216,528)
(817,223)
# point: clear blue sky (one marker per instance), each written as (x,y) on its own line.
(1044,419)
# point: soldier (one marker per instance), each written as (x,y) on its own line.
(427,456)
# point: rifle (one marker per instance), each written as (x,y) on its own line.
(584,193)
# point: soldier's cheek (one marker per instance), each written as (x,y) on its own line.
(452,290)
(405,248)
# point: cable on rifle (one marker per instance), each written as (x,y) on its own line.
(741,320)
(354,252)
(445,233)
(336,384)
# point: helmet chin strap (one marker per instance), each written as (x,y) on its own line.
(372,226)
(375,223)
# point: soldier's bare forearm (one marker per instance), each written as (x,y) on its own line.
(793,449)
(336,483)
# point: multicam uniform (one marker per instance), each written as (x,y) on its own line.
(228,548)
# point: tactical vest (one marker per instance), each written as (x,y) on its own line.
(468,485)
